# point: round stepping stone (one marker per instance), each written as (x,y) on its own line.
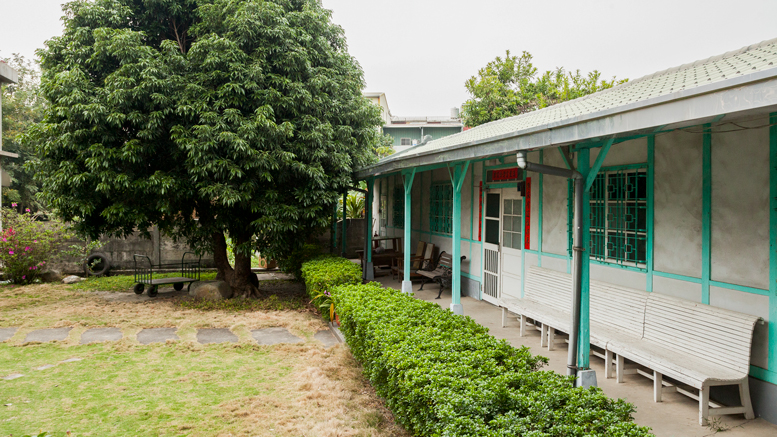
(95,335)
(157,335)
(327,338)
(6,333)
(274,336)
(51,334)
(215,335)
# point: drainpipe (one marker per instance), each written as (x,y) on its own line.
(577,255)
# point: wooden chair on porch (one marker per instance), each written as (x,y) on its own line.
(424,254)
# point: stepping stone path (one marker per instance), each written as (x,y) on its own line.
(43,335)
(13,376)
(95,335)
(215,335)
(327,337)
(157,335)
(6,333)
(274,336)
(47,366)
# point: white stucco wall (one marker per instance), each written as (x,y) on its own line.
(740,205)
(554,208)
(677,209)
(627,152)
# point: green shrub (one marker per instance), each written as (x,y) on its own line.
(323,274)
(444,375)
(294,261)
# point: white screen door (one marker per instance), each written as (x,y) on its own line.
(511,243)
(491,232)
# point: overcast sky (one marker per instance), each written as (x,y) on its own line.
(420,52)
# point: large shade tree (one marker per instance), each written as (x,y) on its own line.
(205,118)
(510,86)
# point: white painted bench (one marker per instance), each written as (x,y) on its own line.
(695,344)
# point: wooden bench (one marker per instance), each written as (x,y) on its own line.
(443,268)
(424,254)
(695,344)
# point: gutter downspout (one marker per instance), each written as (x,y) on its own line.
(578,249)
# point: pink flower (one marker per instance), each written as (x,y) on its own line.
(4,239)
(27,210)
(24,277)
(14,205)
(10,252)
(34,241)
(27,248)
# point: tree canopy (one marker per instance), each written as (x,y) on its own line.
(510,86)
(205,118)
(22,108)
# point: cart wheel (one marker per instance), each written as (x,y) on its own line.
(152,291)
(178,286)
(138,288)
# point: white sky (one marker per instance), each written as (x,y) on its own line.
(420,52)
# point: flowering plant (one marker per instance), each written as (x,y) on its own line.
(27,243)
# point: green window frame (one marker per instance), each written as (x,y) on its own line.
(441,208)
(398,211)
(619,228)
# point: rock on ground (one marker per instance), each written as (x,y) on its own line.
(51,276)
(212,290)
(72,279)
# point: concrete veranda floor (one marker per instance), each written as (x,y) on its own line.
(677,415)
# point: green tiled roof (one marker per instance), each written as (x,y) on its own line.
(670,84)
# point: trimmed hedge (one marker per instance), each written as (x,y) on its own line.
(323,274)
(444,375)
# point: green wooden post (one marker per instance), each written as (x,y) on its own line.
(651,143)
(369,273)
(706,215)
(459,174)
(333,243)
(345,223)
(408,176)
(584,330)
(773,245)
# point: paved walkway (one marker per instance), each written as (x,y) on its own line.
(677,415)
(266,336)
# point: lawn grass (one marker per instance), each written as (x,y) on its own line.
(151,390)
(182,387)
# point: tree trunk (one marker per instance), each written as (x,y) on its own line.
(242,280)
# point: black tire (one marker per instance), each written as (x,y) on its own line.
(97,264)
(178,286)
(138,288)
(152,291)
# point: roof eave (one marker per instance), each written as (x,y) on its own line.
(697,104)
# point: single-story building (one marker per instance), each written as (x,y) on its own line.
(680,177)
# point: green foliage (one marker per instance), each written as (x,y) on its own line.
(28,244)
(510,86)
(22,107)
(444,375)
(322,275)
(384,147)
(293,262)
(204,117)
(354,205)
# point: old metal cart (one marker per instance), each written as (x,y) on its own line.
(148,274)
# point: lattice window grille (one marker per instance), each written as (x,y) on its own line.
(511,223)
(619,217)
(441,209)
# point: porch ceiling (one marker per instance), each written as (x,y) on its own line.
(737,82)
